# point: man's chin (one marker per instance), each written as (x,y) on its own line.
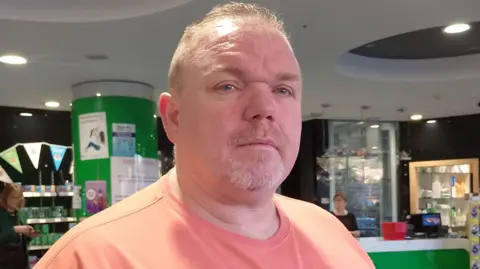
(256,180)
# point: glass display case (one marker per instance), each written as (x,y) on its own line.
(361,163)
(441,186)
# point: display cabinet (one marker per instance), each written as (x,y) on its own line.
(441,186)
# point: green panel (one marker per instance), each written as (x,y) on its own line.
(435,259)
(118,110)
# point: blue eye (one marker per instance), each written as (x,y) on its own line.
(228,87)
(284,91)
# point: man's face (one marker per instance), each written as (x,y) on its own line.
(239,112)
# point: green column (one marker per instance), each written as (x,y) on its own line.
(114,129)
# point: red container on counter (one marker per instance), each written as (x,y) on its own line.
(394,230)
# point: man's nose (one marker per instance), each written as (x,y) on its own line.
(261,103)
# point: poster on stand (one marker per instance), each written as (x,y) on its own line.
(11,157)
(96,191)
(93,136)
(123,140)
(58,153)
(129,175)
(33,151)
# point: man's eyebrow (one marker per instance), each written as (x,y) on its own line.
(227,69)
(282,76)
(285,76)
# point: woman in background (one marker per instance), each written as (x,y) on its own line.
(347,218)
(14,235)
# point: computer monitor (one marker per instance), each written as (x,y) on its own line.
(431,220)
(429,223)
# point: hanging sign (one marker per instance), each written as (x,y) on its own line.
(33,151)
(11,157)
(4,177)
(58,152)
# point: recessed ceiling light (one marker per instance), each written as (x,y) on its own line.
(375,126)
(374,147)
(26,114)
(456,28)
(99,94)
(13,59)
(416,117)
(360,122)
(52,104)
(431,121)
(155,116)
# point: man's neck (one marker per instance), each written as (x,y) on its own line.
(258,222)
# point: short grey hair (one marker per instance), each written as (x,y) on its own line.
(237,12)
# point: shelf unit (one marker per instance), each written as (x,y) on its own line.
(51,221)
(440,186)
(47,194)
(36,248)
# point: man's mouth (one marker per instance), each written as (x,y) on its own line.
(260,142)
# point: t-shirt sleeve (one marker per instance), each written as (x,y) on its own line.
(354,222)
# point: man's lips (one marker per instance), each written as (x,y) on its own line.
(260,142)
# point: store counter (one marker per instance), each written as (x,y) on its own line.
(441,253)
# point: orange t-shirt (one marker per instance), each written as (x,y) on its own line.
(152,229)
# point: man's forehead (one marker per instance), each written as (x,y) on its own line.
(228,46)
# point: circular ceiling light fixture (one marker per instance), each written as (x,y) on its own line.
(13,59)
(26,114)
(431,121)
(375,126)
(416,117)
(457,28)
(52,104)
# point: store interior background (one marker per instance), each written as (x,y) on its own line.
(447,138)
(347,65)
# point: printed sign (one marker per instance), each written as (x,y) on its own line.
(96,194)
(93,136)
(129,175)
(123,140)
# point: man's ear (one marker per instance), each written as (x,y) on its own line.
(169,113)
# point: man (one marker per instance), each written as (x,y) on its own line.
(233,113)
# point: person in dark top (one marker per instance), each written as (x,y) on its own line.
(14,235)
(347,218)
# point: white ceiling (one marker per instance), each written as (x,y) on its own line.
(140,49)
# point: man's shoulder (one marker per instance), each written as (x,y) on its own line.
(104,229)
(294,207)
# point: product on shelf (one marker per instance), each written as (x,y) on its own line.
(473,231)
(45,212)
(47,188)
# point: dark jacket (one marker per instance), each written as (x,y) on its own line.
(13,247)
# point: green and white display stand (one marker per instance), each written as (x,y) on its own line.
(440,253)
(114,129)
